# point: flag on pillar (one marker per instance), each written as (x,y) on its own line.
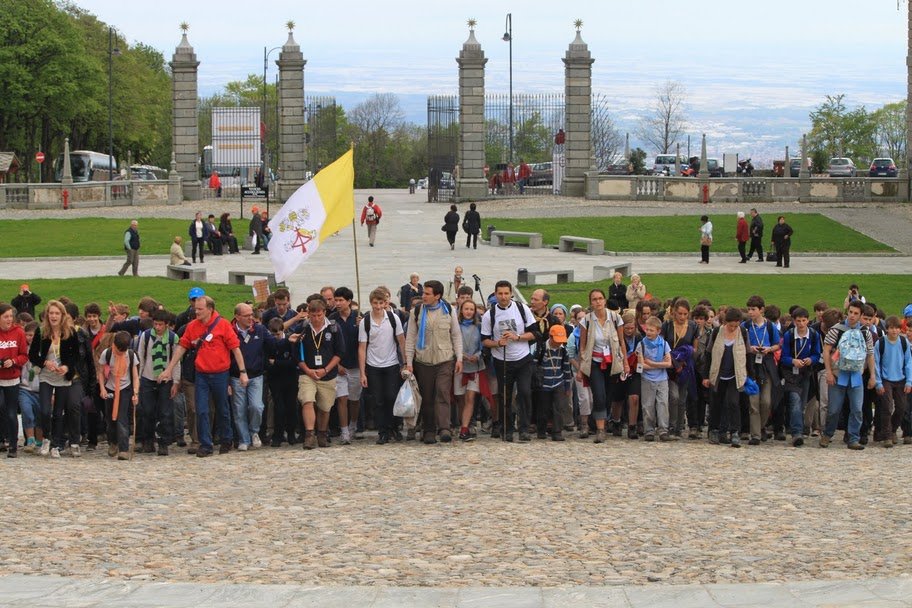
(319,208)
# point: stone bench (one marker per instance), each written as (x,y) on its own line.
(181,272)
(593,246)
(499,238)
(526,277)
(239,277)
(606,272)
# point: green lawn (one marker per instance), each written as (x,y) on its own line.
(889,292)
(128,290)
(88,236)
(813,232)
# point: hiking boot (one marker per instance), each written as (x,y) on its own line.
(632,432)
(45,448)
(541,434)
(754,441)
(445,436)
(888,443)
(780,436)
(496,430)
(584,433)
(310,440)
(600,436)
(148,447)
(162,449)
(181,442)
(907,440)
(726,437)
(322,440)
(693,434)
(525,437)
(508,436)
(397,435)
(824,441)
(275,443)
(224,448)
(29,447)
(428,438)
(735,441)
(112,450)
(91,447)
(382,438)
(193,449)
(12,454)
(664,437)
(863,440)
(123,456)
(855,446)
(202,452)
(713,437)
(797,442)
(558,436)
(410,434)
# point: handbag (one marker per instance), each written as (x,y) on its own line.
(750,387)
(706,240)
(771,256)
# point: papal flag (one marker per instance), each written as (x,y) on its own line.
(322,206)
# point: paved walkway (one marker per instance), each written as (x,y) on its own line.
(49,591)
(409,239)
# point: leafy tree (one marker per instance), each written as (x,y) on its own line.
(373,122)
(606,139)
(838,131)
(638,160)
(665,121)
(890,124)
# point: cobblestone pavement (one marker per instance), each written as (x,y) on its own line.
(479,514)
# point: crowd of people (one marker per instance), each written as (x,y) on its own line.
(72,377)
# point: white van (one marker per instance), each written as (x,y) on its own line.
(664,164)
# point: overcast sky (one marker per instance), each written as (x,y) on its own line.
(768,55)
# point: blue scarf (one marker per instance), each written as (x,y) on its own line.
(422,325)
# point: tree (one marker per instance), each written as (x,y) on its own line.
(606,139)
(890,124)
(839,132)
(638,161)
(664,124)
(373,121)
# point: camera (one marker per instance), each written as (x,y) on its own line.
(477,282)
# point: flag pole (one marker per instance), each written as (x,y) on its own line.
(355,242)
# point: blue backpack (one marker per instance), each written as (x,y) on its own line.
(852,348)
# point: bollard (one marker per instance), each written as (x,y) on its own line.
(66,199)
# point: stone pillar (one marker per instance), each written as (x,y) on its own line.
(185,118)
(787,169)
(804,176)
(578,116)
(66,177)
(471,182)
(704,170)
(292,151)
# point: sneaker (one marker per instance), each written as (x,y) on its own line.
(410,434)
(255,441)
(693,434)
(525,437)
(496,430)
(508,436)
(907,440)
(91,447)
(55,453)
(162,449)
(45,448)
(346,436)
(863,440)
(202,452)
(888,443)
(584,433)
(29,446)
(74,451)
(632,432)
(465,436)
(310,440)
(649,437)
(242,447)
(541,434)
(713,437)
(322,440)
(735,441)
(224,448)
(824,441)
(382,438)
(12,454)
(123,456)
(445,436)
(797,442)
(754,441)
(112,450)
(856,446)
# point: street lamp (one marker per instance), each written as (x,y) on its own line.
(111,53)
(508,37)
(266,54)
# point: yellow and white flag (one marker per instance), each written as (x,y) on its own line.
(322,206)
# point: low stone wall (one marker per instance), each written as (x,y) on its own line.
(746,190)
(92,194)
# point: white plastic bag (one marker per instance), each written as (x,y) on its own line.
(408,401)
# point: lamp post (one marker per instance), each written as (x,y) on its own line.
(263,152)
(508,37)
(111,53)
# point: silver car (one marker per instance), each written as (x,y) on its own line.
(842,167)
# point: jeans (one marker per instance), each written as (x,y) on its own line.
(198,244)
(384,383)
(516,374)
(66,399)
(797,400)
(217,385)
(283,385)
(248,407)
(837,396)
(10,396)
(28,405)
(602,385)
(156,411)
(119,429)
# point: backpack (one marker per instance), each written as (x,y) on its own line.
(367,324)
(852,349)
(522,313)
(903,347)
(371,214)
(132,359)
(146,336)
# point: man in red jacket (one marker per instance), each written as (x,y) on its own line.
(371,214)
(215,341)
(743,236)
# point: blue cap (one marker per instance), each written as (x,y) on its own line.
(196,292)
(907,311)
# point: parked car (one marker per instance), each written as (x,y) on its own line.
(882,167)
(446,181)
(713,166)
(622,168)
(795,166)
(664,164)
(542,174)
(842,167)
(423,183)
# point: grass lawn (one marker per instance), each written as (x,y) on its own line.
(813,232)
(887,291)
(88,236)
(128,290)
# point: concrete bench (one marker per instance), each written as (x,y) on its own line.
(526,277)
(499,238)
(181,272)
(239,277)
(601,273)
(593,246)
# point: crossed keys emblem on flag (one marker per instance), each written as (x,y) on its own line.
(295,222)
(302,238)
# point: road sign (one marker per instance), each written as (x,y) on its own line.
(39,157)
(254,192)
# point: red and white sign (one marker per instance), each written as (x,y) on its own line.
(39,157)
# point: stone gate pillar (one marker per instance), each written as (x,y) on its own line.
(292,150)
(578,116)
(185,118)
(471,182)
